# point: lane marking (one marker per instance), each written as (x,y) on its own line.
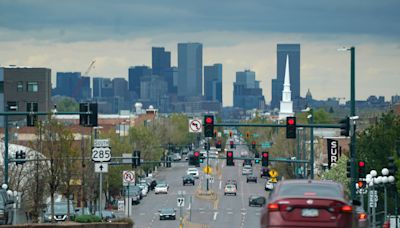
(220,185)
(215,215)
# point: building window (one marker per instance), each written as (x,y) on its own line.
(1,87)
(20,86)
(33,87)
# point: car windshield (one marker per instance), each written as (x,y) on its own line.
(161,185)
(60,208)
(167,210)
(319,190)
(192,170)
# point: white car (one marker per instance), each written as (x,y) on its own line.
(144,187)
(230,189)
(193,171)
(161,188)
(269,186)
(247,170)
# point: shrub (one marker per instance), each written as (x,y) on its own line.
(124,220)
(87,218)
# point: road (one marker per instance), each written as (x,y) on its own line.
(226,211)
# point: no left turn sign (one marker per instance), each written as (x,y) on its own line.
(195,125)
(128,177)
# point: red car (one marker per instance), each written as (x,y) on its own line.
(308,203)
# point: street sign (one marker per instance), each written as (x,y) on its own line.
(100,167)
(207,170)
(273,173)
(128,177)
(195,125)
(127,158)
(101,154)
(180,202)
(121,205)
(101,143)
(273,180)
(266,145)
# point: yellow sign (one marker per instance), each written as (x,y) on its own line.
(273,173)
(273,180)
(207,170)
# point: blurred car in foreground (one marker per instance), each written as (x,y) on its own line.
(308,203)
(167,213)
(255,200)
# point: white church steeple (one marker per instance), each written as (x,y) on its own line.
(286,103)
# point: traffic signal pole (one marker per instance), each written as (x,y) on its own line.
(5,181)
(353,113)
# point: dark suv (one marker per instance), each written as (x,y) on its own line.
(188,179)
(60,211)
(6,208)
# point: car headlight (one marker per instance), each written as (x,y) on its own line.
(49,217)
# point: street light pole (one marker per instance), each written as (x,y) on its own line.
(312,144)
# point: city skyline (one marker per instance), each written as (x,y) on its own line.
(66,44)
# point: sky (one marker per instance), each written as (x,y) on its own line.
(68,35)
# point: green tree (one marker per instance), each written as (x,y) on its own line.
(67,104)
(338,173)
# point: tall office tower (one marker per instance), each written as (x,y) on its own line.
(72,84)
(135,75)
(66,84)
(102,87)
(293,51)
(24,89)
(120,87)
(190,70)
(160,60)
(152,89)
(213,82)
(247,93)
(171,77)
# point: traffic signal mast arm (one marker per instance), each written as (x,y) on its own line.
(276,125)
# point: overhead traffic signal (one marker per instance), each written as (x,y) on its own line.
(232,144)
(88,120)
(265,158)
(31,118)
(215,134)
(230,134)
(135,159)
(392,166)
(257,157)
(290,127)
(361,169)
(208,126)
(207,146)
(247,134)
(229,158)
(348,168)
(345,127)
(253,145)
(194,159)
(218,144)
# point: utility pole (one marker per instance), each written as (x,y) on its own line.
(312,144)
(353,132)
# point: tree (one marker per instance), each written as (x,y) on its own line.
(338,173)
(67,104)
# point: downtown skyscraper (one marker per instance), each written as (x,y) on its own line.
(190,70)
(247,93)
(293,51)
(213,82)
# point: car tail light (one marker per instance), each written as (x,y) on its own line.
(347,209)
(273,207)
(362,216)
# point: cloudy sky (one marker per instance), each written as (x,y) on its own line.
(68,35)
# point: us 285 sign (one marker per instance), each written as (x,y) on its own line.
(101,154)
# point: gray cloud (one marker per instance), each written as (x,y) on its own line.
(75,20)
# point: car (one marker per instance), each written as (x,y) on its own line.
(269,186)
(230,189)
(247,162)
(363,221)
(106,215)
(176,157)
(188,179)
(251,178)
(161,188)
(133,193)
(247,170)
(167,213)
(60,211)
(151,182)
(6,205)
(255,200)
(230,181)
(308,203)
(193,171)
(144,188)
(264,172)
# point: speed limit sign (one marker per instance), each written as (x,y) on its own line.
(101,154)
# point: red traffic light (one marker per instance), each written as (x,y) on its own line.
(209,120)
(254,142)
(361,164)
(196,153)
(231,142)
(219,142)
(290,121)
(230,154)
(265,155)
